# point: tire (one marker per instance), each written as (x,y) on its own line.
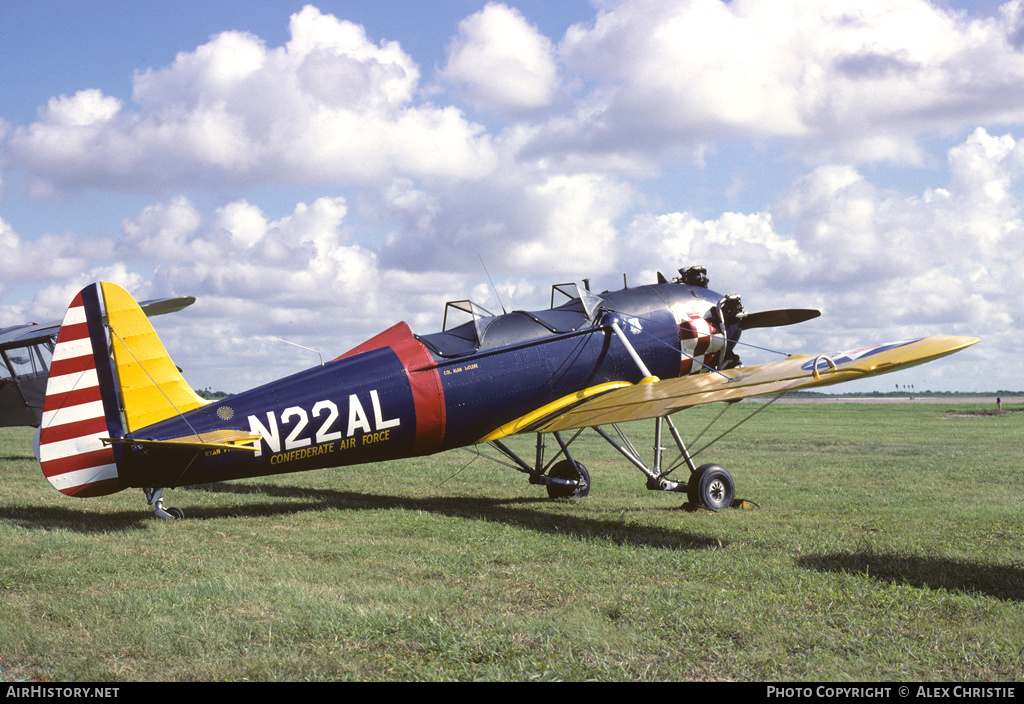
(574,471)
(711,486)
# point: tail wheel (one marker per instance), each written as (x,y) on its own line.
(711,486)
(573,471)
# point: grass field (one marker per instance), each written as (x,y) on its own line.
(888,544)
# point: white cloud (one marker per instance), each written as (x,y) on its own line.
(45,258)
(330,106)
(524,222)
(86,108)
(503,63)
(238,252)
(831,80)
(882,263)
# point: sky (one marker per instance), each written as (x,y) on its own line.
(319,172)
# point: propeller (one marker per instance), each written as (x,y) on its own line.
(732,310)
(777,318)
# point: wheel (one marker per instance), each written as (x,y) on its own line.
(711,486)
(568,469)
(176,512)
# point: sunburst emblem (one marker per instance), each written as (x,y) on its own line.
(225,413)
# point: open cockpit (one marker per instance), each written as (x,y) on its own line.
(485,331)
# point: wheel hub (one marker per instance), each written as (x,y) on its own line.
(717,490)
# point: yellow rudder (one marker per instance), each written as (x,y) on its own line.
(152,388)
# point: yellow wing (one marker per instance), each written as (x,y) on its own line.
(660,398)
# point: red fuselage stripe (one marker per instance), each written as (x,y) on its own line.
(424,381)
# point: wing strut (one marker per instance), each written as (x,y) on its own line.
(567,478)
(655,477)
(612,322)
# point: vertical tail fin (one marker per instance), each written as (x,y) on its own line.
(110,375)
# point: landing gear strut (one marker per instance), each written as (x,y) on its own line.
(155,498)
(709,486)
(565,479)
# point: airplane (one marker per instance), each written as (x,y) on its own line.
(118,414)
(25,353)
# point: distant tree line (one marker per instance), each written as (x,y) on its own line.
(904,391)
(211,395)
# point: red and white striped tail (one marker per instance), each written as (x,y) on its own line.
(71,452)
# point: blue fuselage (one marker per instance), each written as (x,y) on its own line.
(400,395)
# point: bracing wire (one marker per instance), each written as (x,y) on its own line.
(155,383)
(738,424)
(493,287)
(457,472)
(680,460)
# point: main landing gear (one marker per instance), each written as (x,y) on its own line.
(565,479)
(709,486)
(573,480)
(155,498)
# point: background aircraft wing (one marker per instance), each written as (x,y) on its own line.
(660,398)
(160,306)
(34,333)
(22,335)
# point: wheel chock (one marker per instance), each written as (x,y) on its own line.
(744,505)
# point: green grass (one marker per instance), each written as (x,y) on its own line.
(887,546)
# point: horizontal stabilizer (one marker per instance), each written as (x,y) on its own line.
(214,440)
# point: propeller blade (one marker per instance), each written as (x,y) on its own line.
(777,318)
